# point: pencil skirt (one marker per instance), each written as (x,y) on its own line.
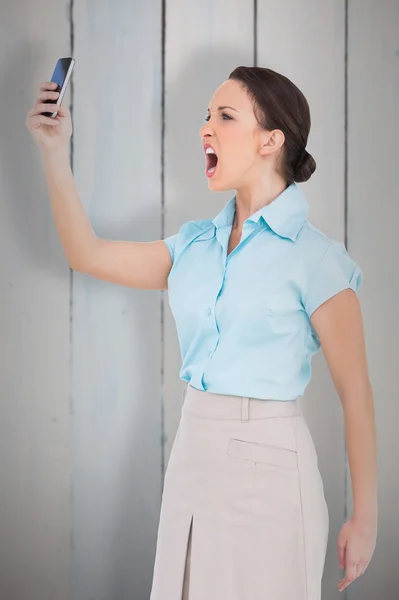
(243,513)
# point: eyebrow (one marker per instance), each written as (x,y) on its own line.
(222,107)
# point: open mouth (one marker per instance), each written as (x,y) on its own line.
(211,163)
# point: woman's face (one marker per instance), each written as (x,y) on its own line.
(236,137)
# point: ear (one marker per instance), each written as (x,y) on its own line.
(271,141)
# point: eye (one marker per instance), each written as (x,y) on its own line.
(223,115)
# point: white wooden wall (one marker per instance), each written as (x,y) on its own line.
(90,396)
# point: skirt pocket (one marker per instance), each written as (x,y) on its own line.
(257,452)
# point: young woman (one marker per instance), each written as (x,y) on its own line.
(255,292)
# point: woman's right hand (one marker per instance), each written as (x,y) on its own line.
(48,133)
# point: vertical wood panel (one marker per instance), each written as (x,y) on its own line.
(306,42)
(373,65)
(34,322)
(117,432)
(205,41)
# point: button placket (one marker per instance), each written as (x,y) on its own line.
(209,312)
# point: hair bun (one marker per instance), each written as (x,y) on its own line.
(305,167)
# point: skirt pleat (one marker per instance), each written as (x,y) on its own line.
(243,513)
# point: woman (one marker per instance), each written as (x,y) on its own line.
(255,292)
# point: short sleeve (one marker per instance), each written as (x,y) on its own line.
(189,231)
(335,272)
(170,243)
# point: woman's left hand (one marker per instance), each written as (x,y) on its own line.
(356,543)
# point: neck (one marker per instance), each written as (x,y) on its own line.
(249,201)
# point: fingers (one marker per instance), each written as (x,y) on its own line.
(350,575)
(37,120)
(47,85)
(48,95)
(38,108)
(353,571)
(47,91)
(45,107)
(361,567)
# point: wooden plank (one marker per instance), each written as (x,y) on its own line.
(117,431)
(307,44)
(34,323)
(373,132)
(213,46)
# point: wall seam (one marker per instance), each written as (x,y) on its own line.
(346,15)
(163,93)
(71,288)
(255,33)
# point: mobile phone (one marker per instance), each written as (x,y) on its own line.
(61,76)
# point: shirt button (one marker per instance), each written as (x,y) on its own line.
(208,311)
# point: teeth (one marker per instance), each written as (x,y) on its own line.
(209,151)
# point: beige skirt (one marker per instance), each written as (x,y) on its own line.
(243,513)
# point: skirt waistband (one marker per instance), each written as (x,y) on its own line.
(202,403)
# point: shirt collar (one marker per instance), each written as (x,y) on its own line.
(285,214)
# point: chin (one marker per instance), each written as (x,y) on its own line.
(219,186)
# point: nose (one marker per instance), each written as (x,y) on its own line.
(205,130)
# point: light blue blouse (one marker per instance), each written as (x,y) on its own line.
(243,320)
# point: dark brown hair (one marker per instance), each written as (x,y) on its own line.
(279,104)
